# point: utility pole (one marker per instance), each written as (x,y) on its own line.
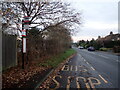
(22,45)
(25,27)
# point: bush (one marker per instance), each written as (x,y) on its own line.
(56,60)
(103,49)
(116,49)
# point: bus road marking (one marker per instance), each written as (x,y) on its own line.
(65,66)
(71,68)
(57,83)
(76,68)
(68,84)
(86,84)
(93,84)
(89,82)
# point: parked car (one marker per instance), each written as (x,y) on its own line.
(80,47)
(91,48)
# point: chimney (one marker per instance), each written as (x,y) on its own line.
(99,37)
(111,33)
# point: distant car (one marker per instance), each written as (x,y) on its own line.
(91,49)
(81,47)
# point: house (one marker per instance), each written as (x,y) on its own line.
(110,37)
(110,40)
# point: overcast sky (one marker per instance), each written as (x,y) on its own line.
(99,17)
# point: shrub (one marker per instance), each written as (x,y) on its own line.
(103,49)
(116,49)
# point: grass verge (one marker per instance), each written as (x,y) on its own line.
(54,61)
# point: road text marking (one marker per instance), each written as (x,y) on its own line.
(93,83)
(89,82)
(57,83)
(74,68)
(68,84)
(65,68)
(86,84)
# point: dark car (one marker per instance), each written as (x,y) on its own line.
(91,49)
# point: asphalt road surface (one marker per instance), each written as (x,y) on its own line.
(88,69)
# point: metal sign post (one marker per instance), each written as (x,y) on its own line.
(25,27)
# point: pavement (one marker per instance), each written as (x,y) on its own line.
(90,70)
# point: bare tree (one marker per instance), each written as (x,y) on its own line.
(42,14)
(54,21)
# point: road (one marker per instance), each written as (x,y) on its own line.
(88,69)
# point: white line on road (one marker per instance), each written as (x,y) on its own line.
(97,54)
(93,53)
(79,55)
(87,63)
(93,68)
(117,61)
(103,79)
(84,60)
(104,56)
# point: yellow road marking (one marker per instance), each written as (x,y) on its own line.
(84,70)
(57,83)
(68,84)
(103,79)
(71,68)
(93,84)
(65,66)
(76,68)
(78,85)
(87,86)
(92,68)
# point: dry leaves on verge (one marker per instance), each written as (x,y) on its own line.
(16,75)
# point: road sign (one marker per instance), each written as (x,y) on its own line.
(26,19)
(23,32)
(26,26)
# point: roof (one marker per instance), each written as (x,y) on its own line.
(112,37)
